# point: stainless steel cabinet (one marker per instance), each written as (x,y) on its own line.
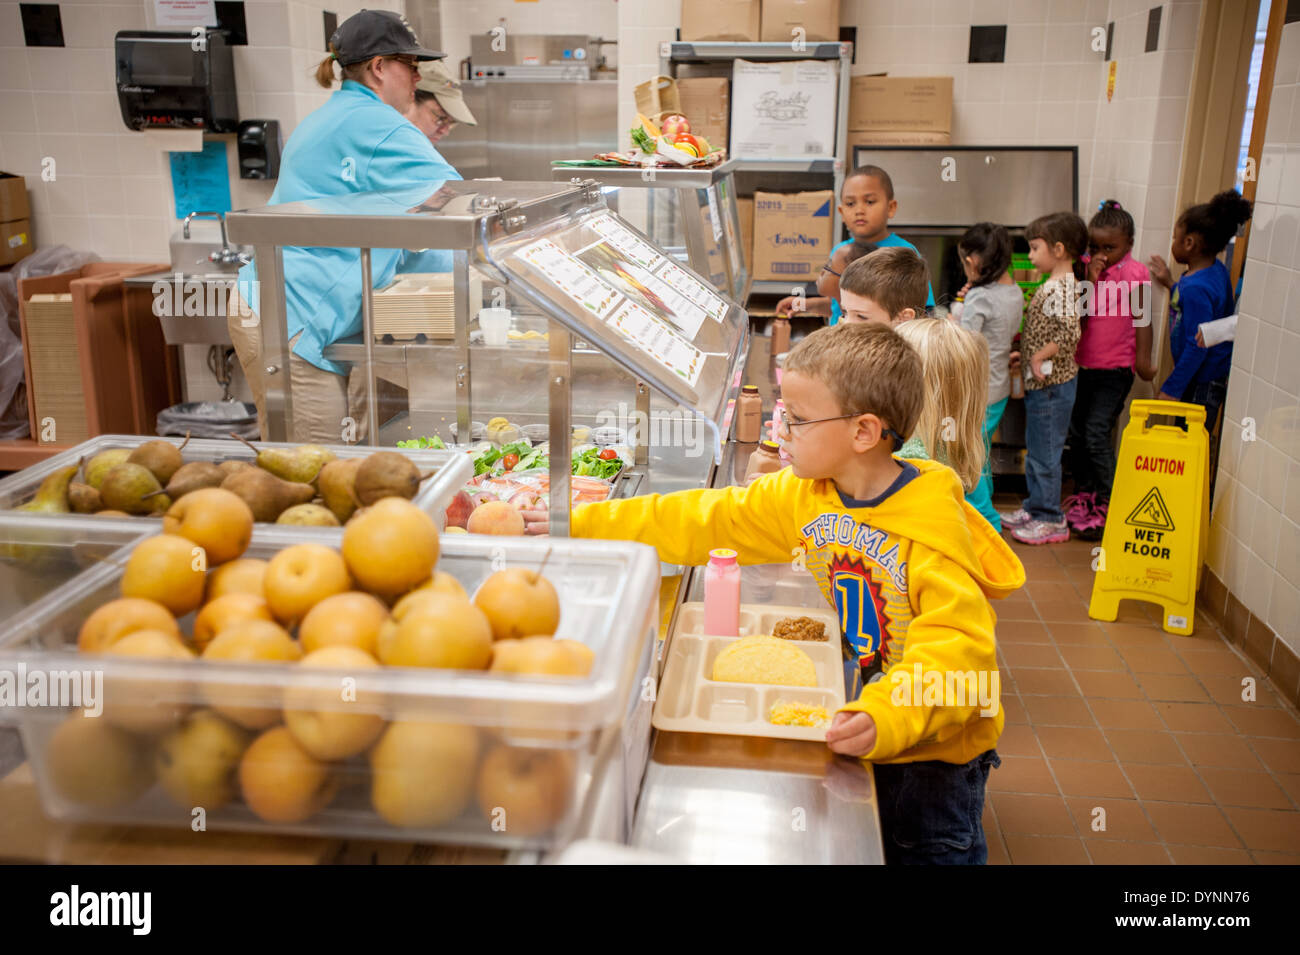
(523,125)
(953,187)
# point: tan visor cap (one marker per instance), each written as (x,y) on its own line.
(436,79)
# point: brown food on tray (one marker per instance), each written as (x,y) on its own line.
(800,628)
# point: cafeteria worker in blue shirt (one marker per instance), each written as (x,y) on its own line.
(867,204)
(358,141)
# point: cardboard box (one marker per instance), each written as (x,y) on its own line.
(15,241)
(745,207)
(13,198)
(691,71)
(657,95)
(819,19)
(792,235)
(893,103)
(707,104)
(896,138)
(783,110)
(717,270)
(737,20)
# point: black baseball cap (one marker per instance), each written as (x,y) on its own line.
(372,33)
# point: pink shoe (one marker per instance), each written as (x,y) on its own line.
(1042,532)
(1079,508)
(1092,527)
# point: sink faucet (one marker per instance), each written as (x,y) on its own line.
(226,255)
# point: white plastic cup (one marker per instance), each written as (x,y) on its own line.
(495,323)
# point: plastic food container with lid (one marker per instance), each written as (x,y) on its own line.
(479,758)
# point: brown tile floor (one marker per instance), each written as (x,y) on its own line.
(1127,745)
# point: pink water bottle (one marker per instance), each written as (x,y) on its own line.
(775,425)
(722,594)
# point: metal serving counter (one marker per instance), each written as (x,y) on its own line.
(622,321)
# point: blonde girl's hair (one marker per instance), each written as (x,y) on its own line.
(325,70)
(955,369)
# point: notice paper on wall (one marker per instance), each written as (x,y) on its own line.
(201,181)
(184,13)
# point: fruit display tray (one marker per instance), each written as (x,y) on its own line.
(40,553)
(563,730)
(451,468)
(691,701)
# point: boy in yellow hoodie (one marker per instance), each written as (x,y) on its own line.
(895,548)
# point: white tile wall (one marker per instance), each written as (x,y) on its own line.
(112,191)
(1265,381)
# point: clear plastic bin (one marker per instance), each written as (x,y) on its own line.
(451,468)
(39,553)
(561,732)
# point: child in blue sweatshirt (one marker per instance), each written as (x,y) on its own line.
(1202,294)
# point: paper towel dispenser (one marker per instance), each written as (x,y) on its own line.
(176,80)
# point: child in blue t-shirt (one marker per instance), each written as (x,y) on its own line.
(1202,294)
(867,204)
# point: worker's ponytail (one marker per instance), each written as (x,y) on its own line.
(325,71)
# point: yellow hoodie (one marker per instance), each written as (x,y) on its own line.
(910,577)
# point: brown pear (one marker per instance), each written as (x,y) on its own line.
(230,467)
(336,482)
(387,474)
(194,477)
(84,499)
(133,488)
(265,494)
(161,457)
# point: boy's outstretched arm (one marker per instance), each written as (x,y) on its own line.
(755,521)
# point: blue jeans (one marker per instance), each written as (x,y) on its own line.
(1209,395)
(1047,421)
(931,813)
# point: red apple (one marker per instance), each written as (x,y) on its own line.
(459,509)
(528,500)
(674,124)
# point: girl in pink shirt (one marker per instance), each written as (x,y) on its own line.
(1116,341)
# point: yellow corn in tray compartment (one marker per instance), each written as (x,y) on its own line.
(785,713)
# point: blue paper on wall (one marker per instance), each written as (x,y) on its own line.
(201,180)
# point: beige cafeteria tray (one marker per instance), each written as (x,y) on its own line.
(690,701)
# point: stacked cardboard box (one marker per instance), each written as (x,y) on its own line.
(15,219)
(818,19)
(745,207)
(792,235)
(900,110)
(771,21)
(733,20)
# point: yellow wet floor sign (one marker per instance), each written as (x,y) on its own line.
(1158,518)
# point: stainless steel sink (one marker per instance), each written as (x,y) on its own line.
(191,298)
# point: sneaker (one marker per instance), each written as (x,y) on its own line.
(1094,525)
(1042,532)
(1078,509)
(1017,518)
